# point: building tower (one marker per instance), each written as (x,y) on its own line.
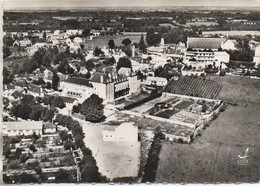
(257,56)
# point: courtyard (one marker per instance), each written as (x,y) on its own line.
(114,159)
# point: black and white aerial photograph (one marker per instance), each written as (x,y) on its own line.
(130,91)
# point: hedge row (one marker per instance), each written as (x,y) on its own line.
(153,159)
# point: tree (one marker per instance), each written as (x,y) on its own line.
(140,75)
(18,153)
(127,50)
(154,40)
(40,81)
(55,80)
(6,52)
(141,44)
(13,164)
(48,85)
(126,42)
(49,114)
(111,44)
(68,144)
(63,135)
(62,176)
(110,61)
(89,169)
(98,52)
(32,148)
(57,102)
(44,35)
(7,76)
(124,62)
(36,114)
(76,108)
(46,61)
(92,108)
(86,32)
(89,64)
(25,178)
(22,110)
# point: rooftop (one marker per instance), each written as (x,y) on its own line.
(205,43)
(100,78)
(79,81)
(23,125)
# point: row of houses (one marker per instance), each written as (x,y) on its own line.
(16,128)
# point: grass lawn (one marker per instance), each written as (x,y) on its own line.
(183,105)
(213,157)
(102,41)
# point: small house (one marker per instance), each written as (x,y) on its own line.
(49,128)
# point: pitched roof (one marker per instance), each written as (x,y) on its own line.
(34,88)
(153,78)
(79,81)
(8,87)
(100,78)
(68,99)
(23,125)
(205,43)
(49,126)
(124,71)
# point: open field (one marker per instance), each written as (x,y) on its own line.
(213,157)
(114,159)
(102,41)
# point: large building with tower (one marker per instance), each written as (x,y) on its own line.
(111,87)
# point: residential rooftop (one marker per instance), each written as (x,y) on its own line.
(79,81)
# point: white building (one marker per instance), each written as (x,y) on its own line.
(201,59)
(78,88)
(22,43)
(110,87)
(15,128)
(158,81)
(125,132)
(49,128)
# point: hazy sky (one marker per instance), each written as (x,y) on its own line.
(28,4)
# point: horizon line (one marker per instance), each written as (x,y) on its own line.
(130,6)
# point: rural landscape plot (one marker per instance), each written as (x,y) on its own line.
(215,154)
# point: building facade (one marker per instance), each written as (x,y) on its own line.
(125,132)
(109,87)
(16,128)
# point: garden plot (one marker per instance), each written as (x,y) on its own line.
(169,108)
(146,107)
(186,117)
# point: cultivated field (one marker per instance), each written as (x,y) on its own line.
(194,86)
(213,157)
